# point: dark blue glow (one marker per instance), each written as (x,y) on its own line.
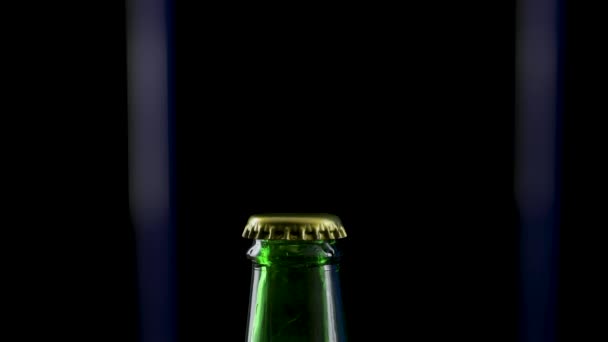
(152,163)
(538,164)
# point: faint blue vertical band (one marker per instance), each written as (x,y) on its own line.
(151,162)
(538,163)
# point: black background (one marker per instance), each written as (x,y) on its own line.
(398,120)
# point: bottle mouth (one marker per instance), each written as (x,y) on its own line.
(293,253)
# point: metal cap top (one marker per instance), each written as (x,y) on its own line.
(294,227)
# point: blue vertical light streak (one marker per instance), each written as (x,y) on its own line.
(151,163)
(538,163)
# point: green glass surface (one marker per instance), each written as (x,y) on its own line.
(295,292)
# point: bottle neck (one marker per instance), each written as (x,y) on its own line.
(295,292)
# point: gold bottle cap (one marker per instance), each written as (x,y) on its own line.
(294,227)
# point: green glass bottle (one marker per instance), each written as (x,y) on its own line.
(295,290)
